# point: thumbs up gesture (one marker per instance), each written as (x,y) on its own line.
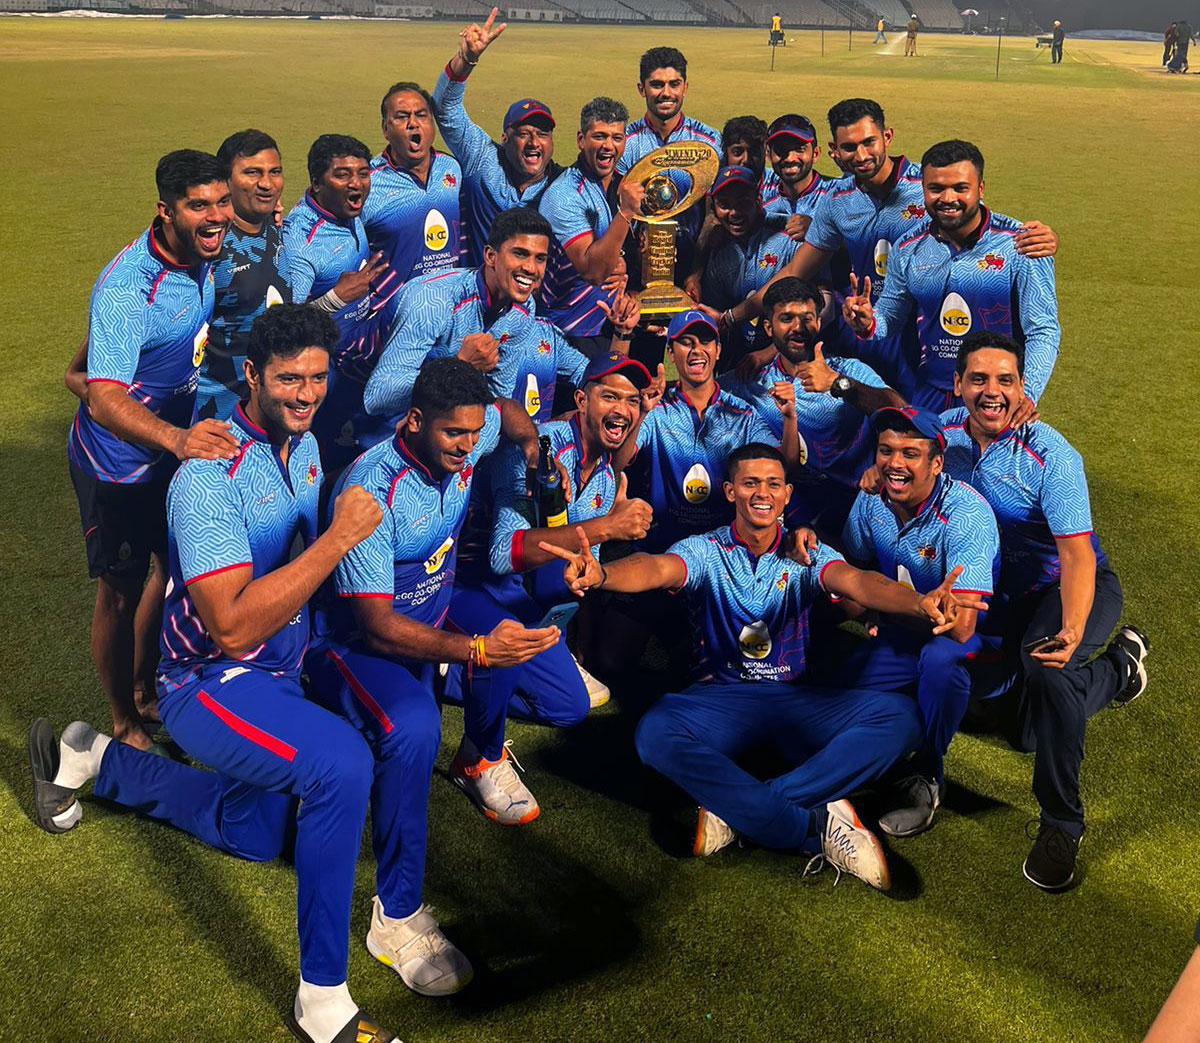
(857,310)
(816,376)
(629,519)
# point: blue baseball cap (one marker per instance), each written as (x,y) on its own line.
(684,320)
(736,175)
(925,421)
(792,125)
(605,365)
(526,109)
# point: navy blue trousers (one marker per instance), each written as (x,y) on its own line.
(838,739)
(546,689)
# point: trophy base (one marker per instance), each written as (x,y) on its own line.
(662,299)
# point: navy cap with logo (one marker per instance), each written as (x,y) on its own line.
(792,125)
(525,110)
(685,320)
(606,365)
(735,175)
(924,421)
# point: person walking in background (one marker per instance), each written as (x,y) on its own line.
(910,42)
(879,34)
(1182,41)
(1168,43)
(1056,43)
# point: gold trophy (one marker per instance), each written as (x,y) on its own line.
(675,176)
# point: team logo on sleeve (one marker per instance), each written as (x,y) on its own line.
(312,473)
(449,180)
(437,232)
(273,297)
(782,582)
(544,347)
(882,249)
(533,395)
(199,345)
(597,502)
(927,551)
(956,315)
(913,212)
(755,640)
(697,484)
(464,477)
(990,262)
(438,558)
(769,261)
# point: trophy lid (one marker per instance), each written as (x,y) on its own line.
(675,176)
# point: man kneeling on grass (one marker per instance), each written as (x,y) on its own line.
(749,590)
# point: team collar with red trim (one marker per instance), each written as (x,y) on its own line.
(491,310)
(241,420)
(410,458)
(737,538)
(603,459)
(667,137)
(1003,436)
(153,234)
(676,393)
(972,240)
(893,180)
(588,173)
(328,215)
(932,503)
(387,158)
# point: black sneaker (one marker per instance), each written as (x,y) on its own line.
(1130,648)
(1050,863)
(55,807)
(912,803)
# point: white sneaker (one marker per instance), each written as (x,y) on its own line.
(415,948)
(850,847)
(712,834)
(597,690)
(493,786)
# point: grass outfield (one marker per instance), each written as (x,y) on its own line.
(588,926)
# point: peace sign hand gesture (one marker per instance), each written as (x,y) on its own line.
(477,38)
(856,309)
(582,571)
(942,604)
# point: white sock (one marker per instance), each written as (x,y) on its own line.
(322,1010)
(80,751)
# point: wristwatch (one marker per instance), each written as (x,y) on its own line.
(841,386)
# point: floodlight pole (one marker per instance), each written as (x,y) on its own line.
(999,38)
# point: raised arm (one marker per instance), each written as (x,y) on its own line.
(631,575)
(241,612)
(940,607)
(469,143)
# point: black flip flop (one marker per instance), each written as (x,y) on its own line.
(50,802)
(358,1029)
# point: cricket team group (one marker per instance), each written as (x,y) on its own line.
(343,467)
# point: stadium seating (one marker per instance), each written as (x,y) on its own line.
(722,11)
(894,13)
(937,14)
(799,13)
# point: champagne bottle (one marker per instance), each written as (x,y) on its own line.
(548,489)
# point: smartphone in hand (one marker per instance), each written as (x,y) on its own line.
(560,615)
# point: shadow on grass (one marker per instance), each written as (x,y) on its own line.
(536,917)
